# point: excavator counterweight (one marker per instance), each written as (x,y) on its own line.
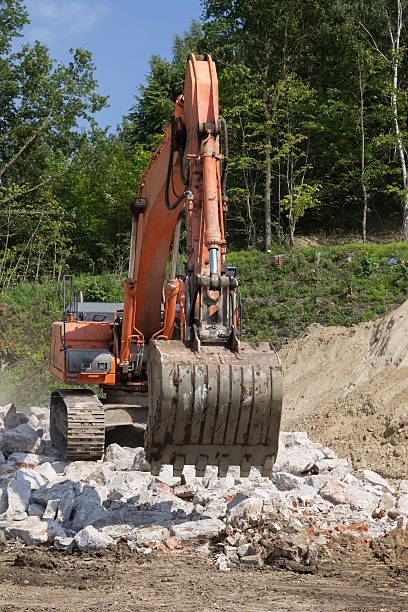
(177,364)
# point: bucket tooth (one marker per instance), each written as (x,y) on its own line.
(245,467)
(201,465)
(223,466)
(178,465)
(155,467)
(268,466)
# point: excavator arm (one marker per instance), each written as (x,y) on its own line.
(212,399)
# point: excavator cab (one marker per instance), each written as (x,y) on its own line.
(179,368)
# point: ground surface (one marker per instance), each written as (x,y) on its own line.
(351,580)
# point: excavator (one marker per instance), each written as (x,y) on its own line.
(171,356)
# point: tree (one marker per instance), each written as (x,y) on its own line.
(382,29)
(41,103)
(270,38)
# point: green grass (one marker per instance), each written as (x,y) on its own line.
(278,304)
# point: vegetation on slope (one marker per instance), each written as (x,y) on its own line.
(351,284)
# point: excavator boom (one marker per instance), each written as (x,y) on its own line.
(212,399)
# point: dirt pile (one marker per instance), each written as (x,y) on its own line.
(393,549)
(348,388)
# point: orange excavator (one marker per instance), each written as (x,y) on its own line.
(171,355)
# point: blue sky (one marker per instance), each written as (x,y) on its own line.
(121,34)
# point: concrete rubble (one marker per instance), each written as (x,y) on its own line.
(311,497)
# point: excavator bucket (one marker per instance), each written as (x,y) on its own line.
(213,407)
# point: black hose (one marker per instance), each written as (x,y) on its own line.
(169,176)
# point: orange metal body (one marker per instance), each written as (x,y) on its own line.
(203,210)
(80,334)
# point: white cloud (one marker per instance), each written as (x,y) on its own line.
(55,19)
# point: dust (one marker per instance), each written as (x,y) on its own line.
(348,388)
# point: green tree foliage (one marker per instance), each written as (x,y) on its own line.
(64,189)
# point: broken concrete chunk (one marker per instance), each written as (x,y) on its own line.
(18,495)
(329,453)
(126,515)
(186,491)
(402,506)
(121,457)
(296,460)
(54,491)
(12,418)
(33,421)
(47,471)
(3,499)
(21,439)
(357,498)
(403,487)
(65,506)
(328,465)
(31,476)
(24,460)
(193,529)
(148,535)
(139,463)
(82,471)
(376,480)
(293,438)
(86,504)
(33,530)
(285,481)
(127,484)
(255,560)
(35,510)
(248,509)
(302,495)
(90,538)
(222,563)
(51,509)
(62,543)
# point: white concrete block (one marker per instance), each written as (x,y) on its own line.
(33,530)
(121,457)
(370,477)
(192,529)
(90,538)
(18,494)
(47,471)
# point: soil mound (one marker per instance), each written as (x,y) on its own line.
(348,388)
(392,549)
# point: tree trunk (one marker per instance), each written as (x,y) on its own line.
(363,182)
(395,44)
(267,198)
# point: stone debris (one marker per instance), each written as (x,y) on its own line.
(311,497)
(90,538)
(22,438)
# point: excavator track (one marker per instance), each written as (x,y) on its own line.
(77,424)
(213,407)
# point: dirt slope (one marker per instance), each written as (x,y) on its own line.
(348,388)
